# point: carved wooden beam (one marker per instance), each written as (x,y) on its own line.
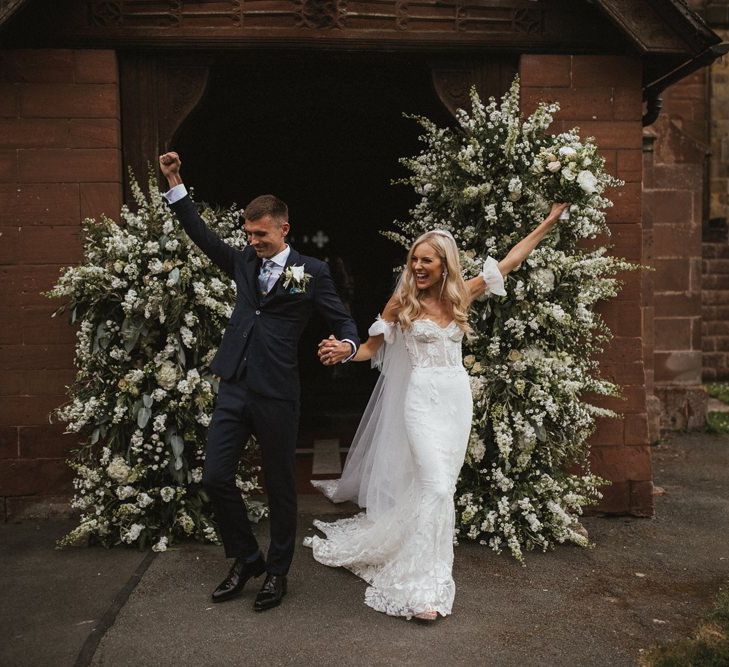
(660,26)
(158,92)
(453,79)
(8,8)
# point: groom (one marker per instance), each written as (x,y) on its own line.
(259,383)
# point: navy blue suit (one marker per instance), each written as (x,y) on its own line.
(259,389)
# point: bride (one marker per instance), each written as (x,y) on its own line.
(406,456)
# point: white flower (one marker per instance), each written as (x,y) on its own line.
(124,492)
(167,493)
(295,279)
(161,545)
(587,181)
(471,192)
(167,375)
(567,151)
(133,533)
(118,470)
(144,500)
(554,167)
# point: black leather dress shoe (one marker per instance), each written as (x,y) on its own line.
(239,573)
(271,593)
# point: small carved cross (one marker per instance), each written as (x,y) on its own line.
(320,239)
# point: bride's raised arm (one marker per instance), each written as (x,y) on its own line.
(492,276)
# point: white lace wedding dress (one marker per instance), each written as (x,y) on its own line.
(403,467)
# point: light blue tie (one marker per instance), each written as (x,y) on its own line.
(264,275)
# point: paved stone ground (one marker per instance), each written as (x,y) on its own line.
(646,580)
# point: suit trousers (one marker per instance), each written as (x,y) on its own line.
(239,413)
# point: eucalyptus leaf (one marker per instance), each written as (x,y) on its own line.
(177,444)
(147,400)
(143,416)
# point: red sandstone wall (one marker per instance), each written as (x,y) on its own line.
(602,95)
(59,162)
(673,210)
(715,311)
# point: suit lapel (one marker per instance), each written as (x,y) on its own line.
(252,277)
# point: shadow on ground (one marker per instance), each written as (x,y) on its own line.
(646,580)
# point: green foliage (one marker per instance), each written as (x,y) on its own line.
(152,309)
(709,646)
(532,360)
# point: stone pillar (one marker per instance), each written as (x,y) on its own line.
(603,96)
(673,198)
(715,286)
(59,162)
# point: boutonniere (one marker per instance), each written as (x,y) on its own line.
(295,277)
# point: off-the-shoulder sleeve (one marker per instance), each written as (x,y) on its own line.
(492,277)
(380,326)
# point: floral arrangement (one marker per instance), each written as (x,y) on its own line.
(570,170)
(526,478)
(295,279)
(152,309)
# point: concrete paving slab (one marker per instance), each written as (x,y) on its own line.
(646,580)
(53,600)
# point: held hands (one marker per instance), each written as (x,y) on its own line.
(332,351)
(170,164)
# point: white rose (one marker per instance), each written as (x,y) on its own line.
(167,375)
(568,152)
(469,360)
(568,174)
(118,470)
(587,181)
(297,272)
(554,167)
(167,493)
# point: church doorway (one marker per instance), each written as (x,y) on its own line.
(323,131)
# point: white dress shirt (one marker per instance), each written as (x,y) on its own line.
(279,261)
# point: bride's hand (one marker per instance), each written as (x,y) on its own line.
(556,210)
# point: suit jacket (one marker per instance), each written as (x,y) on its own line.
(263,332)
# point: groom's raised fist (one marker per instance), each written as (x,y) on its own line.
(170,164)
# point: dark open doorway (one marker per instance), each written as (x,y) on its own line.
(324,132)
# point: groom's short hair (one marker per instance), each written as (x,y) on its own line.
(266,205)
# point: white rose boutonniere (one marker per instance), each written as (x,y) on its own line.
(295,280)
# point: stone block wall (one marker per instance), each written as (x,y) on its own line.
(715,311)
(715,295)
(602,95)
(673,205)
(59,162)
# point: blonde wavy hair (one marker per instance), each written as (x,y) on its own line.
(453,288)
